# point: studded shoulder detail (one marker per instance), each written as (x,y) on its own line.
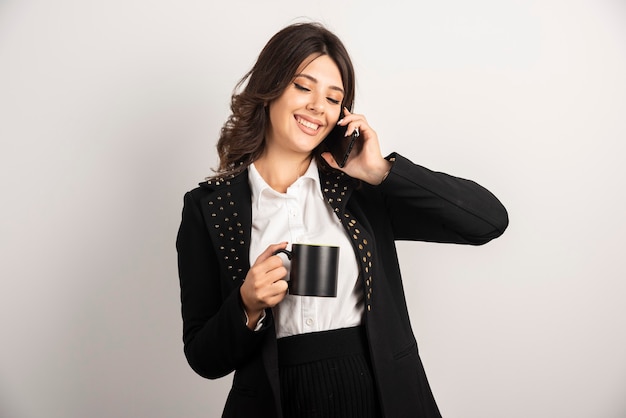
(337,188)
(227,219)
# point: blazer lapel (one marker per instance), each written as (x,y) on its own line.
(228,215)
(337,188)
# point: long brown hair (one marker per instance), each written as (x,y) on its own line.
(242,136)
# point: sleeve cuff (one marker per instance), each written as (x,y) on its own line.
(259,324)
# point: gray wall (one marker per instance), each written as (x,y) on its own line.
(109,111)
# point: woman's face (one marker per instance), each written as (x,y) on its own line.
(308,109)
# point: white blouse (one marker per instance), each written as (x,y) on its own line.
(302,216)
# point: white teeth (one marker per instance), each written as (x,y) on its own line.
(308,124)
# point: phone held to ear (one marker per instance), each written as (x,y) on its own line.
(340,145)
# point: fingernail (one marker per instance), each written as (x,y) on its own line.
(339,121)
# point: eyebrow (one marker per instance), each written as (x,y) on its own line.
(313,79)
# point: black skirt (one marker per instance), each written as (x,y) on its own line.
(327,374)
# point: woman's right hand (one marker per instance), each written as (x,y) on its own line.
(264,286)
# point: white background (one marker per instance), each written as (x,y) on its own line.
(109,112)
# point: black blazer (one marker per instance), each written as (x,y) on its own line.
(412,203)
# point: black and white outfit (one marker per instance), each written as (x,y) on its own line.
(354,355)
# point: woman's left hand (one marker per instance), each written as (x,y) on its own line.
(365,161)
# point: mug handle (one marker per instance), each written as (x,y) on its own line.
(286,252)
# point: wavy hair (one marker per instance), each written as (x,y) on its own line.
(242,138)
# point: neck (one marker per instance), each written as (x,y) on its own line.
(280,172)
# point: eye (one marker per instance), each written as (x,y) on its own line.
(333,101)
(300,87)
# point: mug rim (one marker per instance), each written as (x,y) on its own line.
(315,245)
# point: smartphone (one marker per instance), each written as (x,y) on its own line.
(340,145)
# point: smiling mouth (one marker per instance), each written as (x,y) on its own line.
(308,124)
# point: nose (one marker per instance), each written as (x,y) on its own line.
(316,104)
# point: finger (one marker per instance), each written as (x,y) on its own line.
(269,251)
(354,123)
(347,117)
(268,271)
(278,274)
(275,300)
(280,287)
(273,293)
(353,128)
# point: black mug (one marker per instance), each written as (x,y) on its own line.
(313,269)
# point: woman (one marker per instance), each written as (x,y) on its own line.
(296,356)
